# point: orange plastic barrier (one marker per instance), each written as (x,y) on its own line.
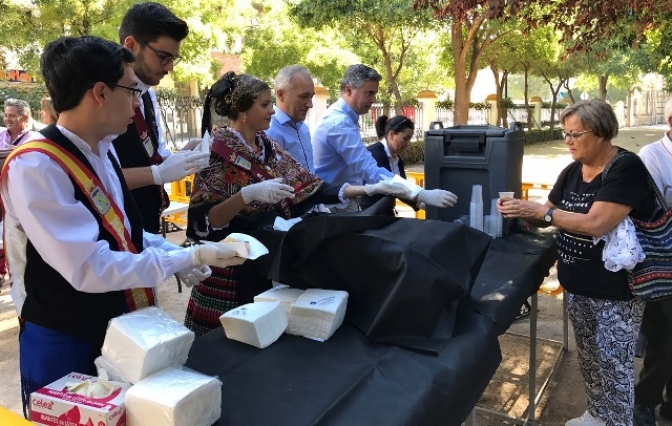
(8,418)
(419,179)
(527,186)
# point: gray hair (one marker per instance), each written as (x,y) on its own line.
(596,115)
(21,106)
(668,109)
(285,77)
(356,75)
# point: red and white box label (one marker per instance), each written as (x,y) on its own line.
(54,405)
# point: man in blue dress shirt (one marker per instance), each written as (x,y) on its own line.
(294,91)
(338,151)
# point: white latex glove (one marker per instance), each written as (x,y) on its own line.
(194,275)
(437,198)
(381,188)
(269,191)
(178,166)
(221,255)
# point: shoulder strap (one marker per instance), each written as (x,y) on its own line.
(109,212)
(660,200)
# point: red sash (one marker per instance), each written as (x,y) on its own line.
(151,149)
(250,165)
(100,201)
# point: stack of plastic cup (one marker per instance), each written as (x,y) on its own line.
(496,218)
(476,208)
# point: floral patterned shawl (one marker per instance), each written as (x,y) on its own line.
(222,179)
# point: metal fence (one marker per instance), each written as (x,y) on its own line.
(367,122)
(181,118)
(475,116)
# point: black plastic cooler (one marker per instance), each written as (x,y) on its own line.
(456,158)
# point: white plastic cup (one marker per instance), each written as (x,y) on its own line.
(477,194)
(506,194)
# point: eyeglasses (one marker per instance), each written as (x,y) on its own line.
(165,58)
(136,92)
(574,136)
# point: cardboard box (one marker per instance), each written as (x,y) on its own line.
(54,405)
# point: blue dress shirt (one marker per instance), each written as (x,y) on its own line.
(293,137)
(339,154)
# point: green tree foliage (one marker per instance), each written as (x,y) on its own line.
(276,41)
(390,27)
(28,26)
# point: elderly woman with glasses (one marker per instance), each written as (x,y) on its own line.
(585,203)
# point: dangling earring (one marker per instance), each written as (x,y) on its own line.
(245,118)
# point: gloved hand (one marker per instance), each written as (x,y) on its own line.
(193,143)
(179,165)
(381,188)
(194,275)
(269,192)
(221,255)
(437,198)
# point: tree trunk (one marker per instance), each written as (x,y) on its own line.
(627,108)
(530,119)
(569,92)
(501,105)
(392,81)
(603,86)
(498,94)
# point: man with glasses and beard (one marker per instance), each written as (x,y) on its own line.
(154,34)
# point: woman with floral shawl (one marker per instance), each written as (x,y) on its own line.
(251,180)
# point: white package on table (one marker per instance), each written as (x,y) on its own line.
(317,313)
(174,397)
(284,294)
(258,324)
(145,341)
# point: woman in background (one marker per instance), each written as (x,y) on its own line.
(395,136)
(49,115)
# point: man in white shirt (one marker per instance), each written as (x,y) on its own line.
(16,118)
(655,379)
(154,34)
(73,235)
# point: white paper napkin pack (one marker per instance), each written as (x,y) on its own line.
(317,313)
(258,324)
(174,397)
(145,341)
(283,294)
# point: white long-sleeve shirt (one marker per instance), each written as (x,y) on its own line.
(657,157)
(40,205)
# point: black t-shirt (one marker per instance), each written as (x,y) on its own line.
(580,267)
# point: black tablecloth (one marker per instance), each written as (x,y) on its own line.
(513,269)
(349,380)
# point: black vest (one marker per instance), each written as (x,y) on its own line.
(132,154)
(51,301)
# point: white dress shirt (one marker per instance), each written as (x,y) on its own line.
(40,205)
(163,150)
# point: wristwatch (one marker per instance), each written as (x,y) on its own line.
(548,217)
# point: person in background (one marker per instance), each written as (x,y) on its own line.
(584,204)
(338,151)
(73,235)
(16,118)
(655,380)
(294,91)
(394,137)
(250,182)
(153,33)
(49,115)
